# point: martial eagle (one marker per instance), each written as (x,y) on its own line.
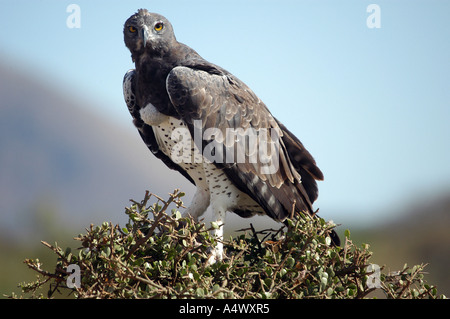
(204,122)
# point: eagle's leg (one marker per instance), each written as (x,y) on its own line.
(219,218)
(199,204)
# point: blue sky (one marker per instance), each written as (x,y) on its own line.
(371,105)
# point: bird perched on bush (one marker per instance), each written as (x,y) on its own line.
(204,122)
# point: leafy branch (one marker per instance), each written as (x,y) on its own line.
(160,254)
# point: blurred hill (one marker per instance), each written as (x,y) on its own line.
(57,151)
(419,234)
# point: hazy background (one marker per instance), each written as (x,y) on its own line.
(371,105)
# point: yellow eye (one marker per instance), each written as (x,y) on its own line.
(159,26)
(132,29)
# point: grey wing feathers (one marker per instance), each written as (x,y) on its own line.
(128,93)
(145,131)
(223,102)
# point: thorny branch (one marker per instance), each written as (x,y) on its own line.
(164,256)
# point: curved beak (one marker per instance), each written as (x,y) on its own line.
(145,35)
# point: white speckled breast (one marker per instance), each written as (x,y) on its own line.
(174,139)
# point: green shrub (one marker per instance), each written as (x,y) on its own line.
(159,254)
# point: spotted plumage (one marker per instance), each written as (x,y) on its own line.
(204,122)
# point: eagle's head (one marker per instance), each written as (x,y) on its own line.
(148,32)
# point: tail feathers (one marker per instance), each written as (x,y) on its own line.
(303,162)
